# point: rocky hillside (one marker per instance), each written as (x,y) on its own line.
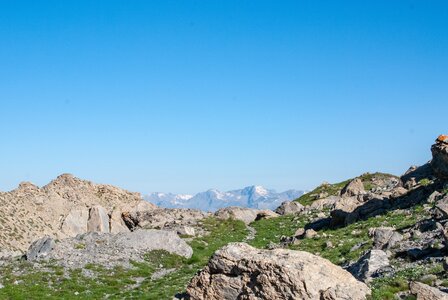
(64,207)
(377,236)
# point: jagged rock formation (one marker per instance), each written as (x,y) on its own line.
(65,207)
(239,271)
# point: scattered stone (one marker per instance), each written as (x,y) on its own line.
(8,256)
(289,207)
(385,237)
(429,278)
(299,232)
(353,188)
(247,215)
(266,214)
(325,203)
(161,273)
(434,197)
(310,233)
(399,191)
(186,230)
(426,292)
(370,265)
(40,248)
(358,246)
(239,271)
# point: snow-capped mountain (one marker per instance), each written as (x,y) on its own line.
(212,200)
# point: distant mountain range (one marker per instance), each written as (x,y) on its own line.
(252,196)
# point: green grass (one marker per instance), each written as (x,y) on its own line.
(119,283)
(343,239)
(271,230)
(425,182)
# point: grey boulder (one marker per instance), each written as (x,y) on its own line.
(239,271)
(40,248)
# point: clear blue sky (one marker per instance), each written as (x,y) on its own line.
(183,96)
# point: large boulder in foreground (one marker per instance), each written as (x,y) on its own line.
(239,271)
(439,161)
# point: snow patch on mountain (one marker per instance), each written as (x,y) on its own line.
(252,196)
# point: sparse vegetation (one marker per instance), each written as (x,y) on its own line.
(425,182)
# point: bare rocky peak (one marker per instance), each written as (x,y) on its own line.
(28,211)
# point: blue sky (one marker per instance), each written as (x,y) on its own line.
(183,96)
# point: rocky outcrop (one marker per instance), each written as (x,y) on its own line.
(426,292)
(98,220)
(116,222)
(239,271)
(75,222)
(61,209)
(414,174)
(439,162)
(107,249)
(289,207)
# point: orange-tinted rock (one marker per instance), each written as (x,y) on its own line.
(442,139)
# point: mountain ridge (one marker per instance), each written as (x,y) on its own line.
(253,196)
